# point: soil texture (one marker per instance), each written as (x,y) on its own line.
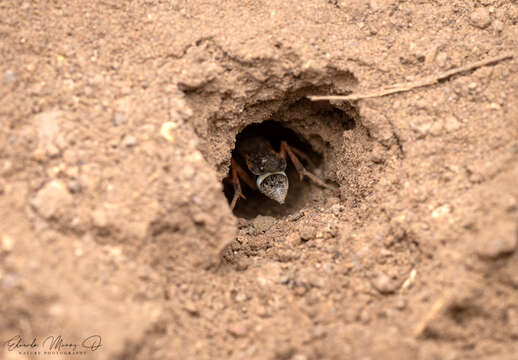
(118,121)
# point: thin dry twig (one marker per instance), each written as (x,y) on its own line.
(436,308)
(426,81)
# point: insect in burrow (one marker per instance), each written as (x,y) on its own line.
(269,168)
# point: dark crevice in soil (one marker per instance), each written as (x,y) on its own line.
(257,203)
(301,114)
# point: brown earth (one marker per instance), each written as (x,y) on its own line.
(114,224)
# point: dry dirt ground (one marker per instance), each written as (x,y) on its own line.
(116,225)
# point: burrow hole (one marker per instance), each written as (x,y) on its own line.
(300,193)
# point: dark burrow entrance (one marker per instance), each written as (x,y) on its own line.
(299,192)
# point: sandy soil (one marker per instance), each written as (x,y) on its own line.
(114,224)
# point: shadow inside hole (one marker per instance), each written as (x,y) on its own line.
(331,113)
(299,192)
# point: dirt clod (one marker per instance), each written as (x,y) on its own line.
(481,17)
(385,284)
(238,329)
(498,25)
(451,123)
(401,304)
(263,223)
(52,200)
(498,246)
(119,118)
(47,125)
(100,218)
(241,297)
(441,59)
(293,239)
(129,141)
(191,308)
(307,232)
(498,241)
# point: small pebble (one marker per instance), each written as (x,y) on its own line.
(436,128)
(384,284)
(191,308)
(364,316)
(99,218)
(166,131)
(189,172)
(480,18)
(401,304)
(511,204)
(129,141)
(264,311)
(307,232)
(74,186)
(498,25)
(286,255)
(7,243)
(421,127)
(72,171)
(47,125)
(377,155)
(451,123)
(119,118)
(240,297)
(263,223)
(441,59)
(285,279)
(52,199)
(300,290)
(238,330)
(115,252)
(494,245)
(441,211)
(328,268)
(385,252)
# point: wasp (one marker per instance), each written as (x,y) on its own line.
(266,169)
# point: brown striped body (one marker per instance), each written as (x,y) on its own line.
(260,157)
(268,165)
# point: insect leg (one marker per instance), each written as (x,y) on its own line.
(239,173)
(302,155)
(288,150)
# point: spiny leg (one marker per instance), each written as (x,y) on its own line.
(302,155)
(237,173)
(301,170)
(237,189)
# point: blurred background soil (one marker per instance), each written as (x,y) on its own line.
(117,125)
